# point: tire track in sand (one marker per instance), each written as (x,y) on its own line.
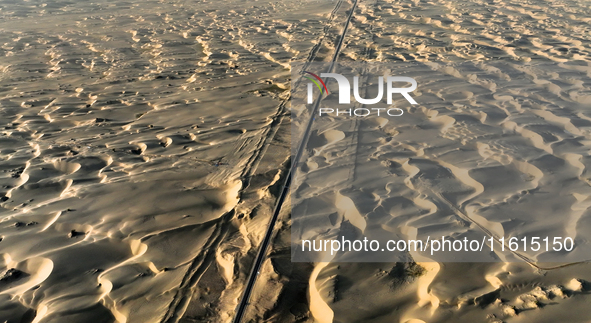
(261,255)
(204,260)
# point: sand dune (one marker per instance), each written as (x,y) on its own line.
(131,148)
(496,145)
(143,146)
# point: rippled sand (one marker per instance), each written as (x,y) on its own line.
(132,139)
(499,143)
(142,145)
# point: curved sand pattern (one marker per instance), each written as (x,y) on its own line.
(502,157)
(121,166)
(112,109)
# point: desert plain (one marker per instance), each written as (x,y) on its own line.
(145,148)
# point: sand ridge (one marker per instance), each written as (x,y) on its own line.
(488,154)
(122,200)
(136,167)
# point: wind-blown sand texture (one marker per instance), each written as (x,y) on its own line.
(492,152)
(142,145)
(132,139)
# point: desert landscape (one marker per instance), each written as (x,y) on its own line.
(154,159)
